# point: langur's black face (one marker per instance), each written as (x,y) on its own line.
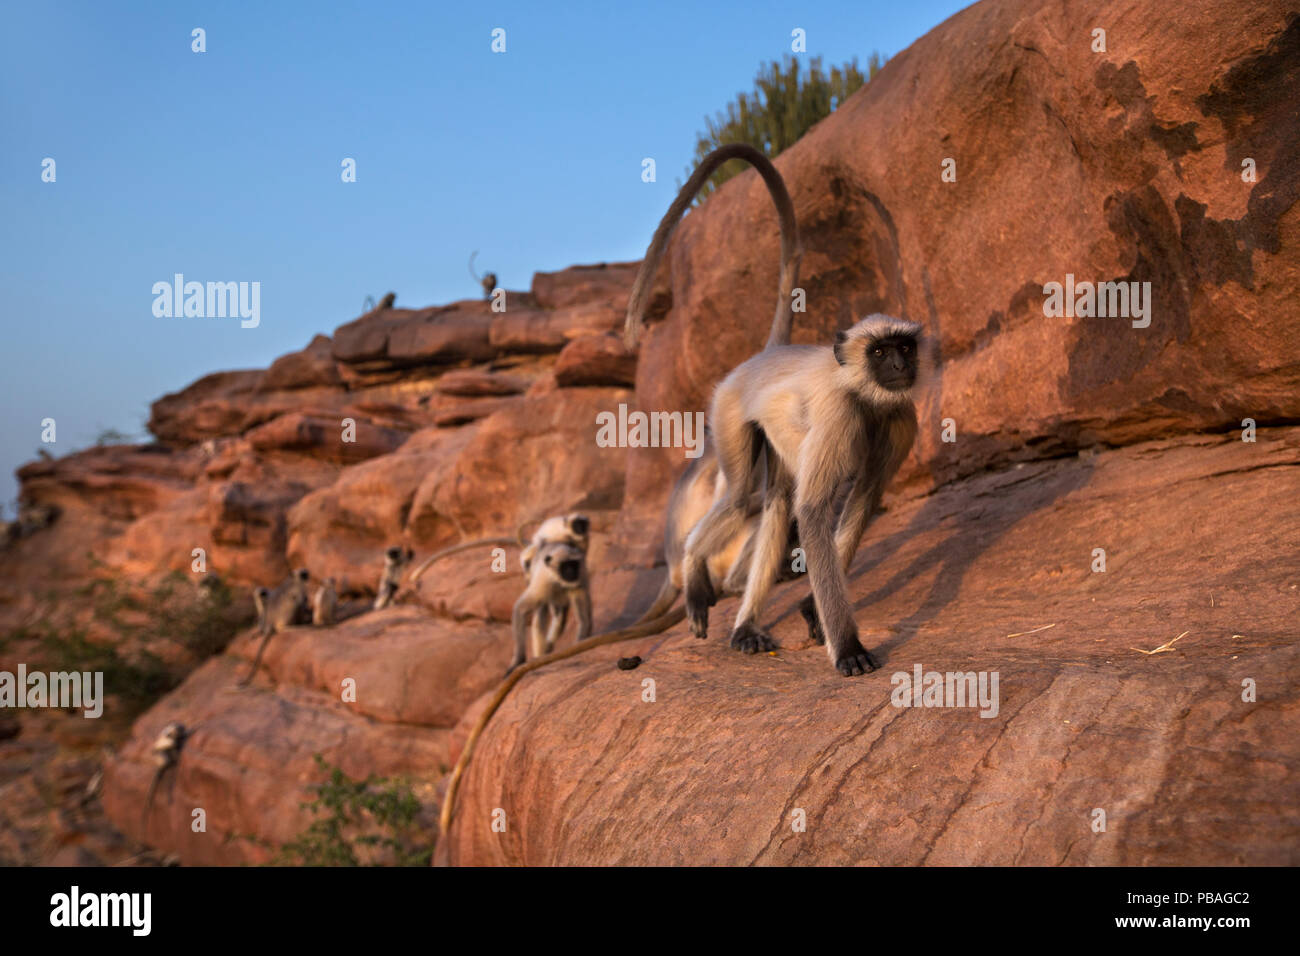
(580,524)
(565,562)
(892,361)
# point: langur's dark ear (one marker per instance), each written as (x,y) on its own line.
(581,524)
(840,338)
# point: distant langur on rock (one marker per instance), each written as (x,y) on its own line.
(701,484)
(260,597)
(165,753)
(287,606)
(324,604)
(387,301)
(32,518)
(487,280)
(396,559)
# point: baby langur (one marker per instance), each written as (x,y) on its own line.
(325,604)
(555,561)
(396,559)
(287,606)
(557,580)
(487,280)
(166,751)
(820,417)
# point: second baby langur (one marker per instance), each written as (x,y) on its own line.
(555,562)
(396,559)
(325,604)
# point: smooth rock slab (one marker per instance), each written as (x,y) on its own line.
(1200,537)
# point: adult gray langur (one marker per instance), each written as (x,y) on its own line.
(820,417)
(287,606)
(396,558)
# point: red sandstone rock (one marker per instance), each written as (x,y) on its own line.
(606,283)
(478,383)
(313,366)
(531,460)
(250,762)
(595,360)
(992,573)
(212,406)
(341,530)
(324,437)
(462,413)
(457,333)
(534,330)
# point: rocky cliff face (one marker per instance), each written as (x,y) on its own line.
(1072,434)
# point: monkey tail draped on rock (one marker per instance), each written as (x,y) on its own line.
(656,626)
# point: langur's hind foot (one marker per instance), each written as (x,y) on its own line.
(808,608)
(699,598)
(751,640)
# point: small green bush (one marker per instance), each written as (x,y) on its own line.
(374,818)
(202,624)
(111,436)
(137,682)
(173,611)
(785,104)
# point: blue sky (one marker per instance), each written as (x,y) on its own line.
(225,166)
